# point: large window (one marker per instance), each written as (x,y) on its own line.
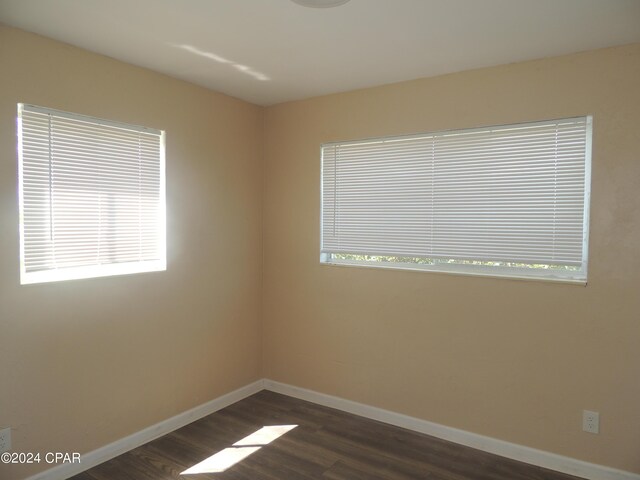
(508,200)
(92,197)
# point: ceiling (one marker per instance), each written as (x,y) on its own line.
(272,51)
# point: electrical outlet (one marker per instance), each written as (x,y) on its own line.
(590,421)
(5,440)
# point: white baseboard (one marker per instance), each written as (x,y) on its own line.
(102,454)
(521,453)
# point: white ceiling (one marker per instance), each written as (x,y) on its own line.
(272,51)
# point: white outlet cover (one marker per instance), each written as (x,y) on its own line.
(590,421)
(5,440)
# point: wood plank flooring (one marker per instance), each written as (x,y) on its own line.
(327,444)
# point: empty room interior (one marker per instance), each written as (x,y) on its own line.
(320,239)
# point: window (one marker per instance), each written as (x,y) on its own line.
(91,196)
(502,201)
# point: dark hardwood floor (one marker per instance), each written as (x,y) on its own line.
(326,444)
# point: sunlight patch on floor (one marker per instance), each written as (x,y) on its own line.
(265,435)
(224,459)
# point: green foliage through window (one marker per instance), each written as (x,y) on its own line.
(431,261)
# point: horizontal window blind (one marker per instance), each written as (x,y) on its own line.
(513,195)
(91,196)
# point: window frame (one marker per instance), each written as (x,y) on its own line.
(103,269)
(578,277)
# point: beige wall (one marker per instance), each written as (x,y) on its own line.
(515,360)
(84,363)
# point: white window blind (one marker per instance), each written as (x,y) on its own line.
(91,196)
(508,200)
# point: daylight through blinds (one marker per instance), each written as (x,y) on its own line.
(92,196)
(507,195)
